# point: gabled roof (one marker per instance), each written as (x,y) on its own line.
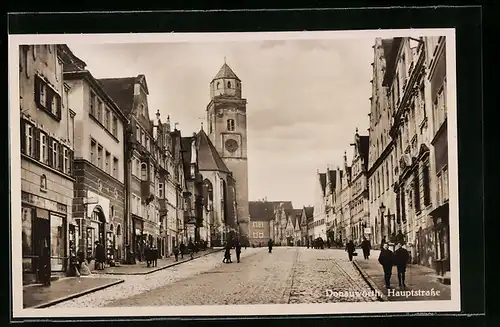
(309,212)
(70,61)
(121,90)
(297,219)
(226,72)
(261,210)
(364,146)
(208,157)
(333,179)
(322,180)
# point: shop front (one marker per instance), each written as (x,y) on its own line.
(44,227)
(137,235)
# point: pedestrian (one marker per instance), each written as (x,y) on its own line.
(350,248)
(366,247)
(238,251)
(176,253)
(44,263)
(191,249)
(386,259)
(401,258)
(270,245)
(227,253)
(182,248)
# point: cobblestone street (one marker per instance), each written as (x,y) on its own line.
(288,275)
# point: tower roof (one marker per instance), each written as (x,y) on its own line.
(226,72)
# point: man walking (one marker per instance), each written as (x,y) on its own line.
(350,248)
(366,246)
(270,245)
(386,259)
(401,258)
(238,251)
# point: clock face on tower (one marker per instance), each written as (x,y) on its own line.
(231,145)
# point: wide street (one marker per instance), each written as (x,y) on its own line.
(288,275)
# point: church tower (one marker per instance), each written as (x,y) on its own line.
(227,130)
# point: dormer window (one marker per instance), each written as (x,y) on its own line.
(218,85)
(229,84)
(230,124)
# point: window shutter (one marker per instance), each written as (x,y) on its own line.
(59,106)
(70,161)
(37,142)
(23,136)
(49,146)
(60,153)
(37,90)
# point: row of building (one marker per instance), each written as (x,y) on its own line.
(96,167)
(396,185)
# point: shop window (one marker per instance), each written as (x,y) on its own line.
(57,243)
(27,239)
(43,183)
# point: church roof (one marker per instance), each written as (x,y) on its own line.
(226,72)
(208,157)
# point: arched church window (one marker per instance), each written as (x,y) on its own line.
(229,84)
(230,124)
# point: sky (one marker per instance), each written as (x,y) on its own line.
(305,99)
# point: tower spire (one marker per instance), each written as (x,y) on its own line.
(224,59)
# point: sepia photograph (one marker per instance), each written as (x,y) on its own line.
(225,174)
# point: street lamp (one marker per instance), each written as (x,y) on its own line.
(382,211)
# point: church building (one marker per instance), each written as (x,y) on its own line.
(227,133)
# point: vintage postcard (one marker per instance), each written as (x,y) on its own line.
(234,173)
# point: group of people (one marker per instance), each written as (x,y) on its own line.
(398,258)
(227,253)
(387,259)
(183,249)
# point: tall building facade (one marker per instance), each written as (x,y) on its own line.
(319,220)
(98,164)
(47,145)
(360,215)
(227,130)
(381,159)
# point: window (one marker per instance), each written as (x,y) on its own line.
(99,156)
(138,134)
(54,104)
(115,126)
(143,141)
(55,157)
(43,183)
(230,124)
(218,85)
(99,110)
(255,235)
(229,84)
(115,167)
(92,103)
(107,161)
(442,181)
(261,235)
(147,143)
(93,152)
(160,190)
(29,131)
(138,168)
(44,155)
(426,185)
(107,119)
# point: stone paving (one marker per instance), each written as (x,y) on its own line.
(143,284)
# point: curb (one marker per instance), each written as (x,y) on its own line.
(380,295)
(73,296)
(160,268)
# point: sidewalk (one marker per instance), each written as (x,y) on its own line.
(419,279)
(141,268)
(39,296)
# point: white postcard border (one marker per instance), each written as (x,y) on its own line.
(18,311)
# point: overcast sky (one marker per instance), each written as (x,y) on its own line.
(305,99)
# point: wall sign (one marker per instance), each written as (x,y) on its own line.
(40,202)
